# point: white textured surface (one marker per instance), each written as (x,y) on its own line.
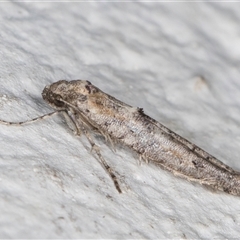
(179,61)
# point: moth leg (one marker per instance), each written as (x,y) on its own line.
(142,158)
(108,139)
(29,121)
(102,160)
(71,123)
(107,167)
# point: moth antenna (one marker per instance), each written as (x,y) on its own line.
(31,120)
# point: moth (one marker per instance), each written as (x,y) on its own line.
(87,109)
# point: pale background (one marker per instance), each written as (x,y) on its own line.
(179,61)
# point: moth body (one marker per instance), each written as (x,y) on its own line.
(89,107)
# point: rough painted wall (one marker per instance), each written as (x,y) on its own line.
(179,61)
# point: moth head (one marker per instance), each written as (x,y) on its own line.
(51,96)
(62,94)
